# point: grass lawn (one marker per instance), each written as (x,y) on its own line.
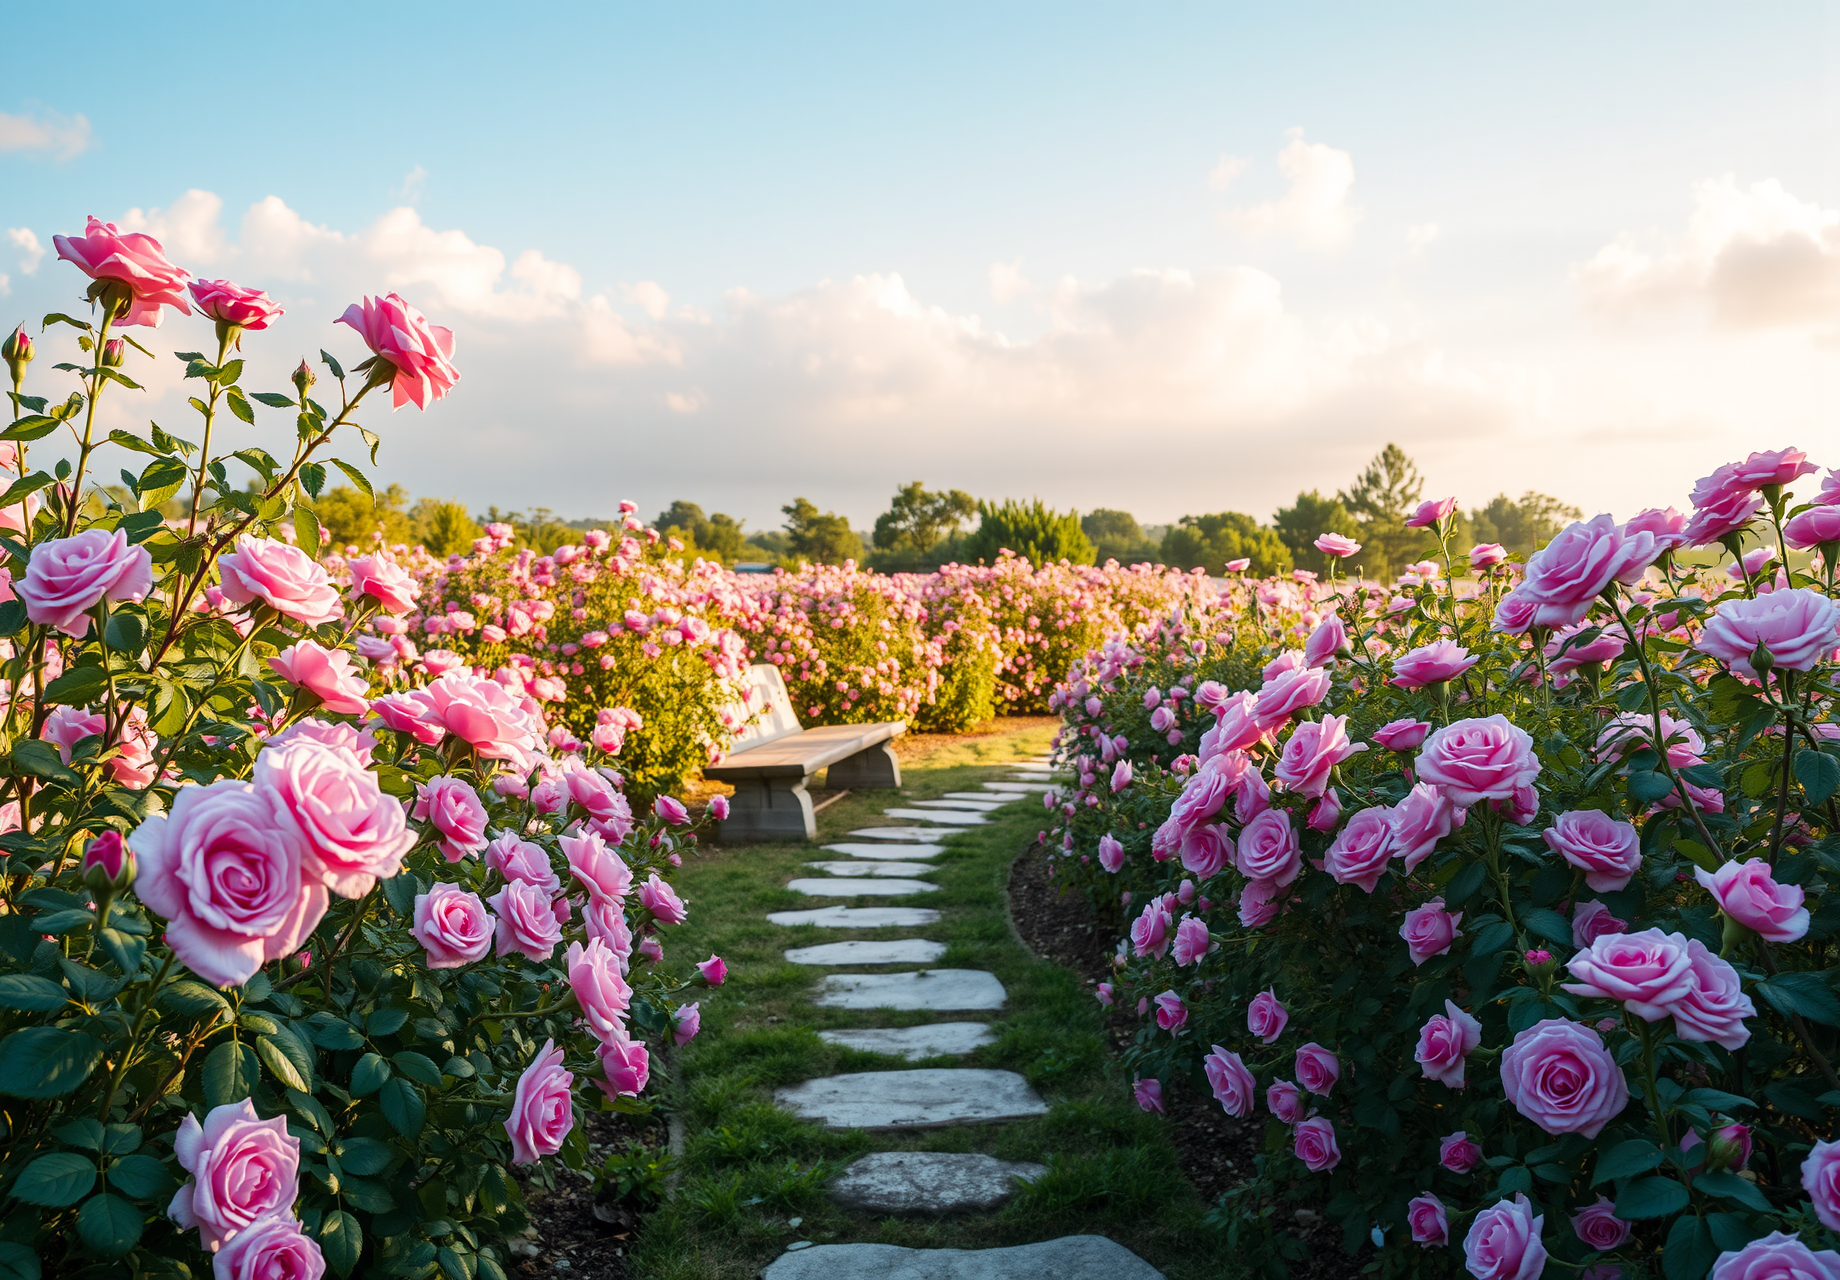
(753,1177)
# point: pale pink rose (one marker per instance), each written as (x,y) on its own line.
(526,921)
(1326,813)
(718,805)
(286,578)
(608,811)
(1458,1152)
(384,581)
(1666,525)
(1821,1180)
(1715,1006)
(1205,850)
(354,834)
(1111,853)
(1104,993)
(451,806)
(1428,1221)
(1361,850)
(438,662)
(625,1067)
(1591,921)
(1777,1256)
(1268,849)
(1758,471)
(229,303)
(1317,1069)
(601,871)
(1265,1017)
(1813,527)
(1646,972)
(65,727)
(714,970)
(1238,566)
(1171,1013)
(243,1169)
(1149,1094)
(1313,1142)
(1606,849)
(1720,517)
(1565,577)
(1746,892)
(1287,660)
(688,1022)
(271,1248)
(1486,555)
(1122,774)
(1192,941)
(133,261)
(225,872)
(1599,1227)
(1504,1242)
(1432,663)
(1419,821)
(1259,903)
(422,353)
(1430,512)
(671,811)
(1633,730)
(1334,544)
(1429,930)
(606,920)
(1232,1084)
(332,733)
(66,577)
(1514,614)
(1559,1075)
(1328,639)
(1285,1101)
(1150,931)
(327,674)
(486,716)
(1288,693)
(517,859)
(1799,627)
(658,898)
(594,978)
(452,925)
(1401,735)
(1314,748)
(1444,1043)
(1206,790)
(542,1110)
(1485,758)
(410,712)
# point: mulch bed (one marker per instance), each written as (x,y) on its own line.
(575,1233)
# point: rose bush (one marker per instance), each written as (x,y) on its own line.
(302,946)
(1505,892)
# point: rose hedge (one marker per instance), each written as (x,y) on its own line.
(1500,899)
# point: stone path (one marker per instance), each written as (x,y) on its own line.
(890,863)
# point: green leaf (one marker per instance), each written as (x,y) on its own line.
(142,1177)
(306,528)
(86,1133)
(40,760)
(338,370)
(33,426)
(128,440)
(239,406)
(116,375)
(1491,938)
(190,999)
(1651,1198)
(46,1062)
(456,1265)
(230,1074)
(109,1225)
(1819,774)
(274,399)
(1729,1186)
(126,950)
(1626,1159)
(279,1060)
(313,479)
(1802,993)
(13,617)
(402,1107)
(18,1262)
(77,687)
(58,317)
(1690,1251)
(20,490)
(1548,924)
(357,478)
(369,1074)
(340,1241)
(372,1197)
(1646,788)
(418,1068)
(329,1031)
(387,1022)
(124,632)
(56,1180)
(61,922)
(370,438)
(31,993)
(365,1156)
(259,461)
(400,891)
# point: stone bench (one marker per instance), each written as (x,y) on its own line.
(774,761)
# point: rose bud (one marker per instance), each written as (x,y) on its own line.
(114,352)
(303,377)
(714,970)
(108,864)
(18,351)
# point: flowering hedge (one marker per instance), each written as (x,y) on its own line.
(1502,896)
(300,951)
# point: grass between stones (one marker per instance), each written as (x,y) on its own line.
(750,1169)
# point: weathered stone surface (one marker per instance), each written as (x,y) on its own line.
(921,1098)
(866,850)
(848,887)
(880,870)
(938,815)
(1068,1258)
(915,1043)
(857,917)
(928,989)
(930,1182)
(1031,766)
(989,798)
(983,804)
(923,835)
(1022,784)
(865,951)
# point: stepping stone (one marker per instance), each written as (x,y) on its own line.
(922,835)
(937,815)
(938,989)
(915,1043)
(1068,1258)
(846,887)
(857,917)
(920,1098)
(1024,784)
(930,1182)
(873,868)
(885,850)
(897,951)
(986,799)
(983,804)
(1031,766)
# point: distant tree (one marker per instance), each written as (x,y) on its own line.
(771,545)
(1116,535)
(917,521)
(1380,499)
(820,537)
(352,517)
(1031,530)
(1307,519)
(1208,542)
(442,525)
(716,537)
(1523,526)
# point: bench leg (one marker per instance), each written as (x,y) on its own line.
(769,809)
(874,767)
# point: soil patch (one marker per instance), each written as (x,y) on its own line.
(574,1232)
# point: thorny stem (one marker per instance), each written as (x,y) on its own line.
(210,416)
(87,444)
(357,918)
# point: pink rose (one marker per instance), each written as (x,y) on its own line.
(1777,1257)
(1205,850)
(1429,930)
(384,581)
(455,811)
(626,1066)
(1285,1101)
(1265,1017)
(1148,1093)
(331,733)
(604,919)
(671,811)
(325,673)
(452,925)
(486,716)
(517,859)
(1714,1007)
(1591,921)
(594,977)
(1334,544)
(1559,1075)
(410,712)
(1419,821)
(601,871)
(1565,577)
(1231,1082)
(1314,749)
(1171,1013)
(1192,941)
(1432,663)
(689,1021)
(1104,994)
(542,1111)
(1606,849)
(355,834)
(1812,528)
(1401,735)
(1259,903)
(1313,1142)
(658,898)
(603,805)
(1236,726)
(1459,1152)
(1429,1223)
(1730,1149)
(243,1168)
(714,970)
(1487,758)
(1504,1242)
(1444,1043)
(1328,639)
(66,577)
(1821,1180)
(1111,853)
(286,578)
(231,304)
(1150,931)
(1268,849)
(1646,972)
(1238,566)
(1758,471)
(1668,526)
(526,921)
(132,262)
(1746,892)
(1486,555)
(1430,512)
(271,1248)
(1720,517)
(1799,627)
(422,353)
(1207,789)
(225,872)
(1599,1227)
(1288,693)
(1361,849)
(1317,1069)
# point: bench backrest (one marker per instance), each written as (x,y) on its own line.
(767,694)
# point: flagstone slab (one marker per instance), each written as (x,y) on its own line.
(865,850)
(1068,1258)
(869,951)
(919,1098)
(1026,784)
(859,887)
(930,1183)
(857,917)
(982,804)
(873,868)
(915,1043)
(988,799)
(938,989)
(921,835)
(938,815)
(1030,766)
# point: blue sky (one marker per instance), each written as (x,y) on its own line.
(997,246)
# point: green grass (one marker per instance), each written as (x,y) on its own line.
(750,1168)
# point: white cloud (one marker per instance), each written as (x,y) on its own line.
(677,402)
(411,189)
(49,131)
(1420,236)
(1755,257)
(1227,168)
(1007,283)
(1314,212)
(650,297)
(31,252)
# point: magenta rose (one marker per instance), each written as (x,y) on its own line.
(1599,1227)
(1313,1142)
(1430,512)
(1232,1084)
(1645,972)
(1171,1013)
(67,577)
(526,921)
(600,870)
(1504,1242)
(517,859)
(1265,1017)
(1591,921)
(455,811)
(1444,1043)
(1361,849)
(1776,1257)
(1206,791)
(1714,1007)
(1268,849)
(226,874)
(1418,822)
(1813,528)
(243,1169)
(232,304)
(1470,761)
(1567,575)
(658,898)
(689,1021)
(271,1248)
(1458,1152)
(327,674)
(133,262)
(542,1111)
(422,353)
(1204,850)
(452,925)
(1111,853)
(1798,626)
(1606,849)
(355,834)
(1314,749)
(594,977)
(1429,930)
(1432,663)
(1317,1069)
(384,581)
(1747,893)
(1559,1075)
(714,970)
(625,1067)
(287,579)
(486,716)
(1485,556)
(1285,1101)
(1821,1180)
(1192,941)
(1148,1091)
(1429,1223)
(1401,735)
(1150,931)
